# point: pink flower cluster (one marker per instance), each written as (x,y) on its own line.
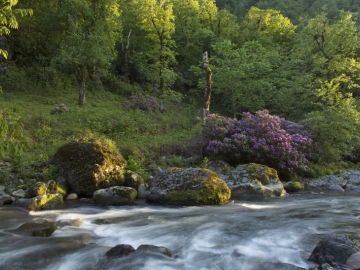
(262,138)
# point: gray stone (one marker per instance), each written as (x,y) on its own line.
(334,250)
(326,181)
(2,190)
(20,193)
(141,191)
(335,188)
(118,195)
(72,196)
(6,199)
(155,249)
(120,251)
(353,262)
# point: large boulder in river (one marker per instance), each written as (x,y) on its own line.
(253,179)
(115,195)
(191,186)
(89,166)
(334,250)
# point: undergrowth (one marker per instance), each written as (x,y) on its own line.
(139,135)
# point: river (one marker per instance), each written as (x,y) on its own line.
(274,233)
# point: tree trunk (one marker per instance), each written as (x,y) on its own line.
(207,94)
(82,90)
(126,51)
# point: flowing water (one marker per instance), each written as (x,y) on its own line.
(276,233)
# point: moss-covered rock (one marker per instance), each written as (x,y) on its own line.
(254,179)
(37,189)
(89,166)
(118,195)
(42,202)
(192,186)
(293,186)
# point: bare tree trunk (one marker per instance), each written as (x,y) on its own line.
(126,51)
(207,94)
(82,90)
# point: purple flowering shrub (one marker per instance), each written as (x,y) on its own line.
(261,138)
(141,102)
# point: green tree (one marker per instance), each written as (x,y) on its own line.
(88,44)
(240,75)
(157,21)
(8,19)
(269,27)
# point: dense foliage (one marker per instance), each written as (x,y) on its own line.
(297,60)
(262,138)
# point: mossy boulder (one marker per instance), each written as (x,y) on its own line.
(37,189)
(293,186)
(191,186)
(42,228)
(118,195)
(89,166)
(42,202)
(253,179)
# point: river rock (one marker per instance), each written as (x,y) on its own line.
(253,179)
(353,262)
(72,196)
(155,249)
(133,180)
(7,199)
(89,166)
(191,186)
(2,190)
(117,195)
(37,189)
(293,186)
(40,202)
(335,188)
(141,191)
(334,250)
(42,228)
(120,251)
(20,193)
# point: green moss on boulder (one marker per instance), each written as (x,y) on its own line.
(192,186)
(253,179)
(37,189)
(89,166)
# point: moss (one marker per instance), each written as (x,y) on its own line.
(37,189)
(196,187)
(294,186)
(60,188)
(89,166)
(41,201)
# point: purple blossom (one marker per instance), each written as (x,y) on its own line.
(261,138)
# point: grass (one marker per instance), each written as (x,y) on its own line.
(143,137)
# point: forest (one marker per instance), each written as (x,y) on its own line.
(283,75)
